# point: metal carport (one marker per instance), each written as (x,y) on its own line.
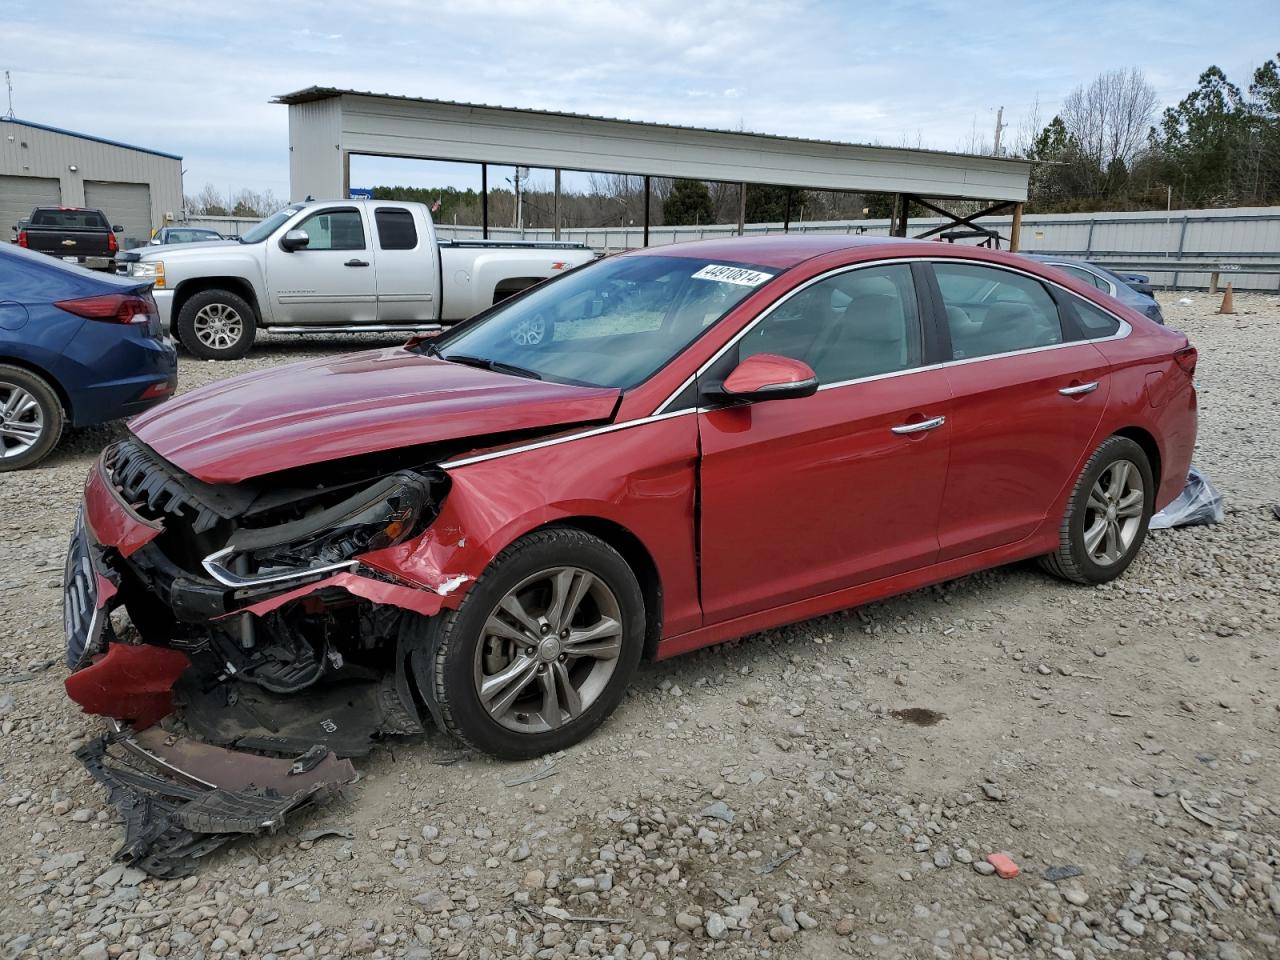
(328,125)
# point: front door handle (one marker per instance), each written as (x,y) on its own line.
(906,428)
(1078,389)
(356,263)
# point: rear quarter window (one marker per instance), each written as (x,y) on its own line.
(1094,321)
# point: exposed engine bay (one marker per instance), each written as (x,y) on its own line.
(243,617)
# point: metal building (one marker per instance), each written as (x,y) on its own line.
(135,187)
(327,126)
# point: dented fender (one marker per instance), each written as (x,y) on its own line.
(638,478)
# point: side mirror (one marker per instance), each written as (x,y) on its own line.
(295,240)
(767,376)
(117,229)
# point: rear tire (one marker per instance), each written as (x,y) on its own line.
(495,682)
(31,418)
(217,325)
(1106,519)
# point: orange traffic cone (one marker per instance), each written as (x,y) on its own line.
(1228,305)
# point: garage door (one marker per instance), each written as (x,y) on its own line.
(128,204)
(19,195)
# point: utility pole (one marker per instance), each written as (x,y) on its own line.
(1000,125)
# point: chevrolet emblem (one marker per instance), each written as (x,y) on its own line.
(68,243)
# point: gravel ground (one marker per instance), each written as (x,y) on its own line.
(828,789)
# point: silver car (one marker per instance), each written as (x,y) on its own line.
(1104,280)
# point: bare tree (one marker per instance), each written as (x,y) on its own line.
(1110,117)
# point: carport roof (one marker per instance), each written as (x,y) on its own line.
(314,93)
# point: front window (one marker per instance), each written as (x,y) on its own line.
(265,228)
(856,324)
(612,323)
(341,229)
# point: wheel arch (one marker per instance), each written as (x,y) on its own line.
(1150,447)
(510,286)
(54,383)
(189,288)
(637,557)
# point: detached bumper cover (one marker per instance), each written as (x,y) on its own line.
(181,800)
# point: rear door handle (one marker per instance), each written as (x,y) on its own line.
(356,263)
(920,427)
(1078,389)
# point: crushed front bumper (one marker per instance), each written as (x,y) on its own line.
(180,799)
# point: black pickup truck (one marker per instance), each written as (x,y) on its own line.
(75,234)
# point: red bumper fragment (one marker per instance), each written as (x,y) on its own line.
(129,683)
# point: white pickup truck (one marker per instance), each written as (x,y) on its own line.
(345,266)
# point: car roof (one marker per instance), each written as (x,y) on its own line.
(788,250)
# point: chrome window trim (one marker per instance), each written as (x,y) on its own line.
(1111,287)
(661,413)
(1120,334)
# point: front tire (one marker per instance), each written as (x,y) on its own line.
(217,325)
(31,418)
(1107,516)
(542,648)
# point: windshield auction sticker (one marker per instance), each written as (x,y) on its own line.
(739,275)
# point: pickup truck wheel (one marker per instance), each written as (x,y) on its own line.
(217,325)
(30,418)
(542,647)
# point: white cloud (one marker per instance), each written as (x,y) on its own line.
(195,78)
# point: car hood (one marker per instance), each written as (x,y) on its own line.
(362,403)
(168,251)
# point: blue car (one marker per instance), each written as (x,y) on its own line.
(75,347)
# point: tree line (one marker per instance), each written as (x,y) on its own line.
(1106,149)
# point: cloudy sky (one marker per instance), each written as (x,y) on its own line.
(196,78)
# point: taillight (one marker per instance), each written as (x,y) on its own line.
(112,308)
(22,239)
(1186,358)
(112,246)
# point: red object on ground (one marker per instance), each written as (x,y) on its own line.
(130,683)
(1006,869)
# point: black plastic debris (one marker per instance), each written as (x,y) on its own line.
(181,800)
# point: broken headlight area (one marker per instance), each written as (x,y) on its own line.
(248,627)
(387,513)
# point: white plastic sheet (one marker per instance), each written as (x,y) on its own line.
(1199,503)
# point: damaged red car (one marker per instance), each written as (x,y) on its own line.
(488,530)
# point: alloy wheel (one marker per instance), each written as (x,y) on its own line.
(1113,515)
(529,333)
(21,420)
(548,649)
(218,326)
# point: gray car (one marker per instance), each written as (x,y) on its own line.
(1104,280)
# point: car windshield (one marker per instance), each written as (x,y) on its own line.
(612,323)
(260,231)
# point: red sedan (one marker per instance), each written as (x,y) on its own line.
(490,529)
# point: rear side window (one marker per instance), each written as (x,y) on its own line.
(1090,278)
(992,311)
(1094,321)
(69,219)
(395,229)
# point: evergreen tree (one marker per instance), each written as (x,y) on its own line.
(688,203)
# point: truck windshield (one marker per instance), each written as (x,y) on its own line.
(69,219)
(612,323)
(265,228)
